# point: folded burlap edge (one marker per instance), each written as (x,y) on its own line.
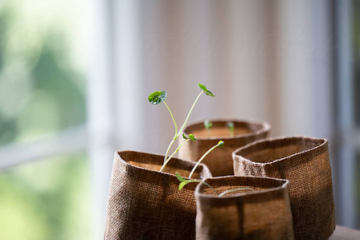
(276,142)
(174,162)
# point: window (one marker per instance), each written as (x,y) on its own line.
(42,117)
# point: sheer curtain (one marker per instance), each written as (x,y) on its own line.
(264,60)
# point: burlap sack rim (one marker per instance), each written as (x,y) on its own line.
(278,142)
(201,187)
(265,127)
(201,168)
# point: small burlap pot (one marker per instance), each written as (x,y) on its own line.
(305,163)
(261,215)
(220,160)
(145,203)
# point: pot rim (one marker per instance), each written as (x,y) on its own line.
(283,186)
(293,139)
(199,169)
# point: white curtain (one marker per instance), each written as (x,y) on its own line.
(264,60)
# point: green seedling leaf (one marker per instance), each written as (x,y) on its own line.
(182,185)
(157,97)
(192,137)
(179,177)
(183,182)
(207,92)
(230,125)
(208,124)
(184,137)
(220,143)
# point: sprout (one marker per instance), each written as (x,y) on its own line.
(208,126)
(158,97)
(191,137)
(230,126)
(184,182)
(219,144)
(207,92)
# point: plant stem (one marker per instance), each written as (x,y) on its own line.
(203,156)
(182,128)
(169,147)
(235,190)
(166,162)
(172,118)
(187,118)
(213,189)
(175,136)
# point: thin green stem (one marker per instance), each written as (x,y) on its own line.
(200,181)
(231,132)
(235,190)
(213,189)
(166,162)
(169,147)
(172,118)
(187,118)
(203,156)
(175,136)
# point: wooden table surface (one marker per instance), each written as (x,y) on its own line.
(343,233)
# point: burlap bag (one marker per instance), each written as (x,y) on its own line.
(146,204)
(305,163)
(220,160)
(261,215)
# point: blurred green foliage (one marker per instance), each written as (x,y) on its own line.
(46,200)
(41,92)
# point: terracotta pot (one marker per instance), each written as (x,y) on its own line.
(145,203)
(220,160)
(305,163)
(261,215)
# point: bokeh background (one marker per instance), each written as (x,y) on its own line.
(75,76)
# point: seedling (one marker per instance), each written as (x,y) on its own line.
(208,126)
(159,96)
(219,144)
(230,126)
(184,182)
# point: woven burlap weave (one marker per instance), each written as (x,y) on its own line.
(146,204)
(305,163)
(261,215)
(220,160)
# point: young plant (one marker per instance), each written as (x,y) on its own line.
(208,126)
(231,128)
(219,144)
(184,182)
(190,138)
(159,96)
